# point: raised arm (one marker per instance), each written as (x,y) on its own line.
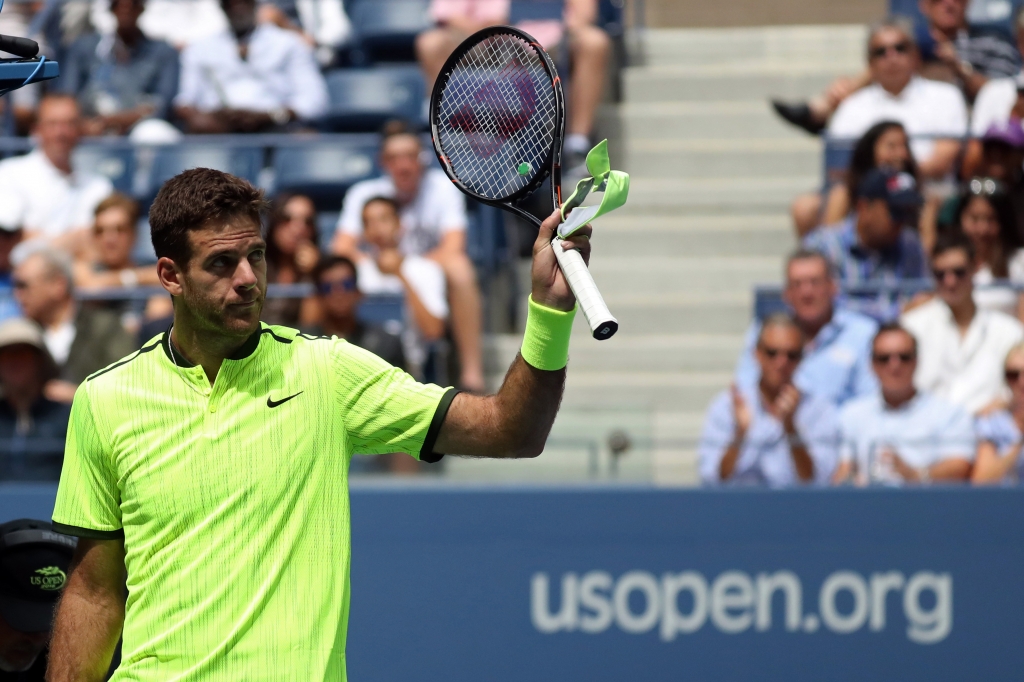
(90,614)
(516,421)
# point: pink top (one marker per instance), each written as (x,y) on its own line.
(482,11)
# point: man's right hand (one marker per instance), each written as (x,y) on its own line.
(742,415)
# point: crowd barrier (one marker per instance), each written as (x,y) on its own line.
(618,583)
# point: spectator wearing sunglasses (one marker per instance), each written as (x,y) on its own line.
(292,255)
(961,346)
(768,432)
(1000,433)
(934,114)
(984,214)
(338,295)
(901,434)
(877,245)
(836,355)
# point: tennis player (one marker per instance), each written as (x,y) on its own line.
(210,467)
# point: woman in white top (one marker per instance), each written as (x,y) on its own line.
(985,216)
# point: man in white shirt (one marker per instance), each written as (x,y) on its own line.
(961,347)
(433,214)
(387,271)
(934,114)
(902,435)
(251,78)
(58,202)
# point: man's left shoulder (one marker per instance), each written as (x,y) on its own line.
(933,90)
(856,324)
(1006,326)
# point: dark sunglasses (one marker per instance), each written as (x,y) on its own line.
(984,187)
(899,48)
(940,273)
(791,355)
(884,358)
(1012,375)
(326,288)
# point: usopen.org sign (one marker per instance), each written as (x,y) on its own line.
(673,604)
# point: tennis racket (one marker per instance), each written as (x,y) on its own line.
(497,118)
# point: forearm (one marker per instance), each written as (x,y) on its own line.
(513,423)
(954,469)
(727,466)
(801,456)
(85,633)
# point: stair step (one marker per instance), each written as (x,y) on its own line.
(721,194)
(661,84)
(843,45)
(701,236)
(734,120)
(722,158)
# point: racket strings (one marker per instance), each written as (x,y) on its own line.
(497,115)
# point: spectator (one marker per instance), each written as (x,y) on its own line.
(339,296)
(112,265)
(769,433)
(387,271)
(998,99)
(902,435)
(950,50)
(836,361)
(10,234)
(322,24)
(292,255)
(960,346)
(933,113)
(999,155)
(999,432)
(433,215)
(253,78)
(29,549)
(58,201)
(81,339)
(177,22)
(877,244)
(985,216)
(123,77)
(884,145)
(589,48)
(32,427)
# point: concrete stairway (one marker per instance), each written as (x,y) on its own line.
(713,171)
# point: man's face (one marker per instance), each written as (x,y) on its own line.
(892,59)
(810,290)
(127,13)
(401,160)
(241,15)
(38,290)
(878,228)
(19,650)
(20,369)
(8,240)
(338,292)
(58,128)
(224,283)
(953,271)
(778,352)
(945,15)
(381,225)
(114,236)
(894,360)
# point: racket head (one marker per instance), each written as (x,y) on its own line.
(497,116)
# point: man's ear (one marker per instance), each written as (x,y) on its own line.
(170,276)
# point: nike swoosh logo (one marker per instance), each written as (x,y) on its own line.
(274,403)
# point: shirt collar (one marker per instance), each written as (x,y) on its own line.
(244,351)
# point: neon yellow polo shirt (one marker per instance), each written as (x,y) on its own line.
(232,499)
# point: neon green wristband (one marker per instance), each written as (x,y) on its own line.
(546,340)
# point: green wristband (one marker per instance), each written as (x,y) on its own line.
(546,341)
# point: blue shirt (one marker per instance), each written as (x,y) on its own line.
(8,304)
(925,430)
(836,363)
(856,264)
(104,84)
(765,457)
(1001,430)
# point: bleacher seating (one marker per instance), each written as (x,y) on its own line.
(324,172)
(363,99)
(535,10)
(386,30)
(115,160)
(239,157)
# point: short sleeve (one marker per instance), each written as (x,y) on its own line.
(88,498)
(383,408)
(993,105)
(351,219)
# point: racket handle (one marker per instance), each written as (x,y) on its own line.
(602,323)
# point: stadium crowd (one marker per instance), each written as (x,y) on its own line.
(154,71)
(899,357)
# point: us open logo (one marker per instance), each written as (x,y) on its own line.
(49,578)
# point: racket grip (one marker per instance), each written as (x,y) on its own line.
(603,324)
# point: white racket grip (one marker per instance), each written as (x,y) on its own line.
(602,323)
